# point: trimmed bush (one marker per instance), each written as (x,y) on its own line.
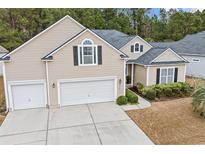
(159,90)
(122,100)
(139,87)
(131,96)
(168,92)
(178,89)
(151,94)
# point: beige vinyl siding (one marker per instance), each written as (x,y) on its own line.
(140,74)
(167,56)
(62,66)
(127,48)
(153,71)
(26,63)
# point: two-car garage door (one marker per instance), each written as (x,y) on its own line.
(86,91)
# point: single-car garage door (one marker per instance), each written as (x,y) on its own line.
(25,95)
(89,91)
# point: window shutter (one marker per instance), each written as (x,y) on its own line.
(99,55)
(175,74)
(132,48)
(158,76)
(141,48)
(75,55)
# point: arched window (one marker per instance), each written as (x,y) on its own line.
(137,47)
(88,52)
(87,42)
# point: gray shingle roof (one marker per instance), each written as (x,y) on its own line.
(149,56)
(114,37)
(193,44)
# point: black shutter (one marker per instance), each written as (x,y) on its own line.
(75,55)
(99,55)
(141,48)
(132,48)
(175,74)
(158,76)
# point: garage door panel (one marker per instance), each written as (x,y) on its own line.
(27,96)
(84,92)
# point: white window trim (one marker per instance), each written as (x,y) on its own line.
(167,74)
(195,60)
(139,47)
(96,54)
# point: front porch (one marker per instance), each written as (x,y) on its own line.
(129,75)
(136,73)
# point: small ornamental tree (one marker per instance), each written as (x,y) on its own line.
(198,103)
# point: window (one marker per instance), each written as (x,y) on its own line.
(87,53)
(137,47)
(195,60)
(166,75)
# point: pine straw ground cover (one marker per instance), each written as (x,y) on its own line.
(171,122)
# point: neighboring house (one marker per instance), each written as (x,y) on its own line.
(192,48)
(3,51)
(68,64)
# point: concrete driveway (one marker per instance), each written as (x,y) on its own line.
(102,123)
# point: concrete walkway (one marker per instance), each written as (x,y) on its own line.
(100,123)
(143,103)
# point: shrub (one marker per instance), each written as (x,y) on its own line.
(139,87)
(122,100)
(159,90)
(187,90)
(150,94)
(168,92)
(131,96)
(198,103)
(176,91)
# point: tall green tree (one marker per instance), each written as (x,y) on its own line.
(19,25)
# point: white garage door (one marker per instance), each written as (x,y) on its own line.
(29,95)
(83,92)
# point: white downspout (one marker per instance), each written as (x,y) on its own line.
(5,87)
(47,85)
(124,77)
(147,78)
(132,75)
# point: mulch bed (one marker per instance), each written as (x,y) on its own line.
(171,122)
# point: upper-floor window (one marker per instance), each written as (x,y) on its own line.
(137,47)
(87,53)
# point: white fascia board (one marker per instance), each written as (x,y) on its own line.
(67,16)
(52,53)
